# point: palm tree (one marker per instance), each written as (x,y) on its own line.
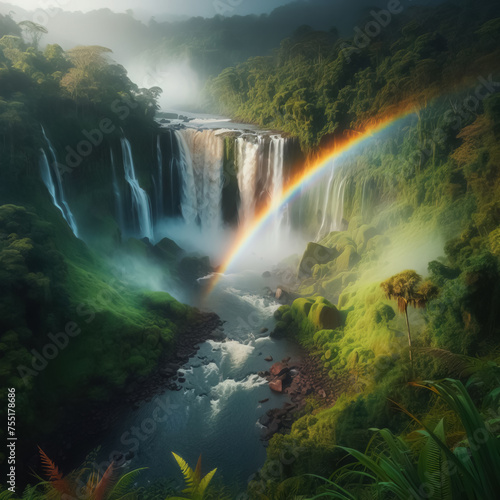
(35,30)
(407,288)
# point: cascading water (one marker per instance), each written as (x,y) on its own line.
(332,211)
(201,159)
(120,210)
(159,187)
(247,159)
(189,207)
(141,205)
(52,179)
(277,177)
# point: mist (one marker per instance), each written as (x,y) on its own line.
(179,45)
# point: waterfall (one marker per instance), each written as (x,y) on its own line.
(51,177)
(141,205)
(120,211)
(276,169)
(189,208)
(333,203)
(171,174)
(160,200)
(247,159)
(201,159)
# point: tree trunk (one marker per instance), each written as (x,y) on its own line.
(409,338)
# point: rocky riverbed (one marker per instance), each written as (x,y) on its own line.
(300,381)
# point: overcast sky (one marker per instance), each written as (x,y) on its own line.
(205,8)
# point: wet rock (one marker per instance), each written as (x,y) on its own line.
(264,401)
(266,274)
(276,385)
(279,369)
(264,330)
(269,359)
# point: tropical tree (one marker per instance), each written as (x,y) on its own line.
(196,485)
(408,289)
(34,30)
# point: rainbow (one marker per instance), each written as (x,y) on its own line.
(245,237)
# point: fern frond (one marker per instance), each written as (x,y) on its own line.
(458,365)
(187,472)
(197,471)
(56,482)
(106,483)
(203,485)
(124,484)
(51,470)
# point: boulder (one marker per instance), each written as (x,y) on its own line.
(363,235)
(269,359)
(324,315)
(266,274)
(168,250)
(279,369)
(347,259)
(276,385)
(315,254)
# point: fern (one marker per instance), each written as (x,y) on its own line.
(196,486)
(124,484)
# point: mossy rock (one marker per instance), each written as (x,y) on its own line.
(348,259)
(354,224)
(324,316)
(192,268)
(315,255)
(378,244)
(168,250)
(363,235)
(280,330)
(334,287)
(302,306)
(278,314)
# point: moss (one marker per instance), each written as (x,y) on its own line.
(315,255)
(347,259)
(324,316)
(363,235)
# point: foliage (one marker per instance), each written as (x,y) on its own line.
(444,471)
(196,485)
(316,85)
